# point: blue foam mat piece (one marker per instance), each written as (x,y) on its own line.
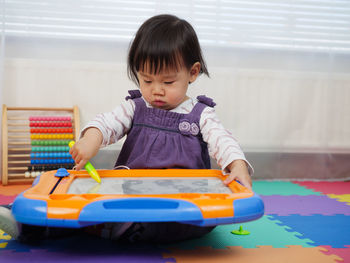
(323,230)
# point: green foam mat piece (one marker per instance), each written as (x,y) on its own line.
(263,232)
(281,188)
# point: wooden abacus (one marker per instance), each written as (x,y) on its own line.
(35,140)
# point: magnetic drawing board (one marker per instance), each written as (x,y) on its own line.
(187,196)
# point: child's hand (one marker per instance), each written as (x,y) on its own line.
(87,147)
(239,171)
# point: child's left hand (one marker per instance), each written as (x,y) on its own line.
(239,171)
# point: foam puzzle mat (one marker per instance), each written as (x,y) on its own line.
(303,222)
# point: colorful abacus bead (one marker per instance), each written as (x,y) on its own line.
(50,167)
(50,118)
(50,143)
(50,124)
(50,155)
(51,161)
(50,149)
(51,136)
(59,130)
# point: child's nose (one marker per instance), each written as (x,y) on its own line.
(158,89)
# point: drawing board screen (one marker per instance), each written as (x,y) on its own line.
(149,185)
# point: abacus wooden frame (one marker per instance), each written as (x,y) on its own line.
(7,177)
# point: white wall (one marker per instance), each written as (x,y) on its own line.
(281,105)
(267,109)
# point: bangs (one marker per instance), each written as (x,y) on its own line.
(155,64)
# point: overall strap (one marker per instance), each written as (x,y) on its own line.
(137,97)
(203,102)
(135,93)
(189,125)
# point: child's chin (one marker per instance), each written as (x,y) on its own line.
(162,105)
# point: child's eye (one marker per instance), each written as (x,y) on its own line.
(147,81)
(169,82)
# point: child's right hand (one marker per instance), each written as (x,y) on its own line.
(87,147)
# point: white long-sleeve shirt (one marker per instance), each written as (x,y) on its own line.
(222,146)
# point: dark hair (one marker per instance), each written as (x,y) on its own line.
(164,41)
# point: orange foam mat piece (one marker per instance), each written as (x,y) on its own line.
(13,189)
(262,254)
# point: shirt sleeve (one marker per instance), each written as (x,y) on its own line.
(115,124)
(222,146)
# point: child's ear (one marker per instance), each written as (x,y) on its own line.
(194,71)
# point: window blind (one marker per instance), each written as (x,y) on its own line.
(275,24)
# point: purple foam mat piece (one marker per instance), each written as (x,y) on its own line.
(84,249)
(304,205)
(40,255)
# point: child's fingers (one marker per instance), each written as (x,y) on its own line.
(80,164)
(71,151)
(77,157)
(229,179)
(79,160)
(246,183)
(73,154)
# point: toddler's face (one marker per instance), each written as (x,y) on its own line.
(167,89)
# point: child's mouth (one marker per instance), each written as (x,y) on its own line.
(158,103)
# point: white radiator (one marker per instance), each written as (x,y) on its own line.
(284,111)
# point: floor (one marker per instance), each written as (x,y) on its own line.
(304,221)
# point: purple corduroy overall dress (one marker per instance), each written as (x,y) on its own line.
(164,139)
